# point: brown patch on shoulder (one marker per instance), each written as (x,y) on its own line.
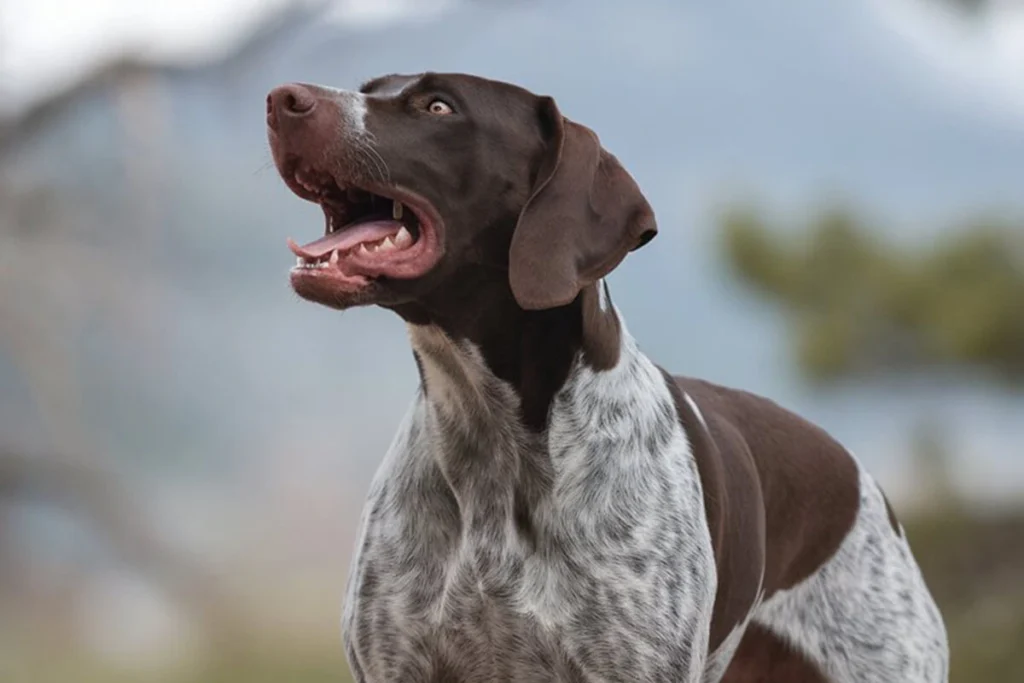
(762,657)
(810,484)
(734,509)
(779,493)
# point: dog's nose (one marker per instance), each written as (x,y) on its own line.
(292,100)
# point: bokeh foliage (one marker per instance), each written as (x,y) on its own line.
(861,305)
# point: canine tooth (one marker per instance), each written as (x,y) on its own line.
(334,257)
(396,210)
(299,262)
(403,237)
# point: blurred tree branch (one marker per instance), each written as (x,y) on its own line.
(971,7)
(860,306)
(101,497)
(51,284)
(60,270)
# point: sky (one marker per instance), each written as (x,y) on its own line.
(902,107)
(983,58)
(44,44)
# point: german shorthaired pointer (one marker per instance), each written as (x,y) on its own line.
(555,506)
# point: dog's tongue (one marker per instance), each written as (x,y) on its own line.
(346,238)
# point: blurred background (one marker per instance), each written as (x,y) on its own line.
(185,446)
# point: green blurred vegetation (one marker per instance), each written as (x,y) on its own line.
(974,564)
(247,665)
(862,307)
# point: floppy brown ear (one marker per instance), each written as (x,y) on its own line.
(585,214)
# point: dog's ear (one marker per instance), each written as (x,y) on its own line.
(584,215)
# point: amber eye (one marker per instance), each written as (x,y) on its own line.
(439,107)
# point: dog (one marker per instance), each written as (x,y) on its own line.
(555,506)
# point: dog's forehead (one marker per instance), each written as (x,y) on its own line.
(389,85)
(393,85)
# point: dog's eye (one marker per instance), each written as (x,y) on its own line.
(439,108)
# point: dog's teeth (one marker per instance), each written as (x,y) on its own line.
(363,249)
(299,262)
(403,238)
(334,257)
(396,210)
(387,244)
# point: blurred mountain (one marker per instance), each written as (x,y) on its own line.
(701,101)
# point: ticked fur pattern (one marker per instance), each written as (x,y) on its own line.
(488,552)
(866,615)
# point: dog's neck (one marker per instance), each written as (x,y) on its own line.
(531,352)
(499,471)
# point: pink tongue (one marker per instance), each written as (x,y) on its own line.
(346,238)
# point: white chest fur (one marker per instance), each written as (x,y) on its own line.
(490,553)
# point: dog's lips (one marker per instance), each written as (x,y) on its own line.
(405,245)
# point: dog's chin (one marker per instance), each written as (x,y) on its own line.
(341,292)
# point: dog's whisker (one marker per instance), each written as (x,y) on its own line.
(378,161)
(265,166)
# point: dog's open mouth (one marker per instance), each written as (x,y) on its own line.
(370,233)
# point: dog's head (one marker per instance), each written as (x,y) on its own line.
(429,181)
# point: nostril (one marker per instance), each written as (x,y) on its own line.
(289,100)
(297,100)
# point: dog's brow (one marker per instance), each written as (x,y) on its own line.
(372,84)
(397,82)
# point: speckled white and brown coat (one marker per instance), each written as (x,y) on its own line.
(555,507)
(653,525)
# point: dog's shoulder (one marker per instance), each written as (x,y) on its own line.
(797,462)
(781,494)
